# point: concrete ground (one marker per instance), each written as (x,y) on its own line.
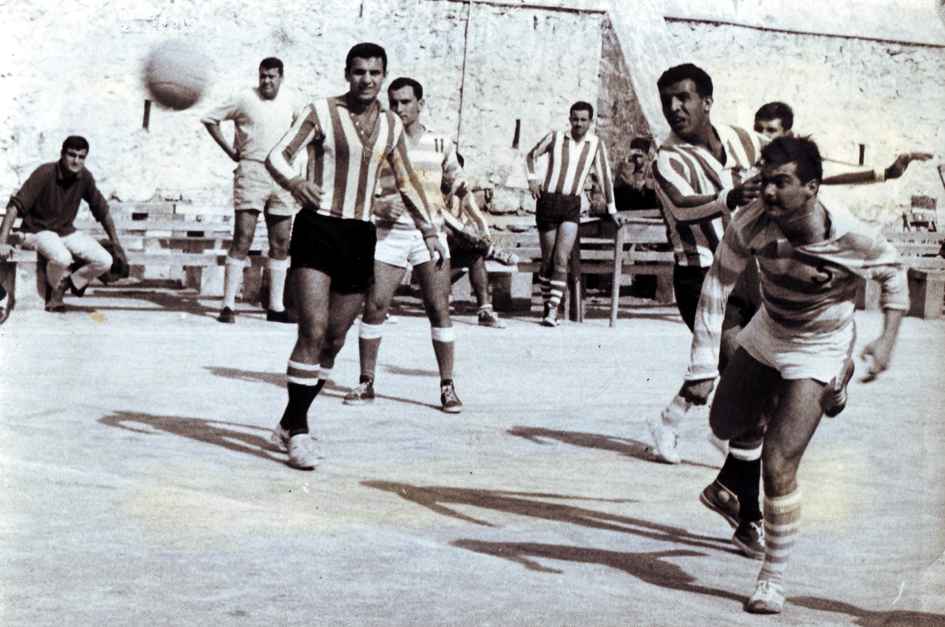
(138,485)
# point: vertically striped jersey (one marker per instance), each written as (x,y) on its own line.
(806,292)
(700,183)
(570,162)
(344,164)
(434,161)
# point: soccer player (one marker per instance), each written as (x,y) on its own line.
(795,349)
(261,115)
(573,155)
(776,119)
(48,202)
(400,244)
(702,174)
(332,248)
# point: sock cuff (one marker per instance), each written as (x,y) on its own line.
(743,454)
(368,331)
(324,374)
(234,262)
(443,334)
(302,373)
(559,284)
(783,504)
(278,264)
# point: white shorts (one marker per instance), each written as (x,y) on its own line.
(821,358)
(404,247)
(254,189)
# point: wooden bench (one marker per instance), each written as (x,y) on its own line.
(921,253)
(596,254)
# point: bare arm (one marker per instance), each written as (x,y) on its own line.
(214,129)
(894,171)
(5,249)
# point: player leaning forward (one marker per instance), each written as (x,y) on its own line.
(400,244)
(261,116)
(347,138)
(797,343)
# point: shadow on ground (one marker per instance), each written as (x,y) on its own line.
(538,505)
(248,439)
(623,446)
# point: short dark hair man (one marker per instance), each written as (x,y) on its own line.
(558,207)
(261,115)
(794,355)
(333,239)
(48,202)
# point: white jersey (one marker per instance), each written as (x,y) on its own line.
(260,122)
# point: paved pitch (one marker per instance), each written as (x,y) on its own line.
(139,486)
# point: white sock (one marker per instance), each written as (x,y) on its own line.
(277,271)
(232,279)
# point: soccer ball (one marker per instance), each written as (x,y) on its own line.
(176,75)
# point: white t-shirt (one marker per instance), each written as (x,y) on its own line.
(260,123)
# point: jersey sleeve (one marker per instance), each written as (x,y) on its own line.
(603,177)
(538,150)
(305,130)
(227,111)
(679,194)
(408,184)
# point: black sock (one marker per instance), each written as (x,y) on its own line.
(749,491)
(446,382)
(366,379)
(295,418)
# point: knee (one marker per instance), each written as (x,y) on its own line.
(374,310)
(278,247)
(62,258)
(438,314)
(103,263)
(241,244)
(311,330)
(779,471)
(332,344)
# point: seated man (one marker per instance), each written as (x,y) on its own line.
(48,203)
(634,187)
(470,243)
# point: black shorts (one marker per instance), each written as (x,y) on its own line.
(553,209)
(464,250)
(343,249)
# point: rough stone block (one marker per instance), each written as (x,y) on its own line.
(926,293)
(512,291)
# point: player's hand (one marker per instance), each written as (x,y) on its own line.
(437,251)
(6,251)
(119,252)
(697,392)
(306,192)
(899,166)
(876,354)
(535,189)
(745,192)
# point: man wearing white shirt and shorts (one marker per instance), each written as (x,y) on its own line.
(261,115)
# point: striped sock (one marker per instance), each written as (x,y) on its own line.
(557,292)
(544,284)
(303,386)
(782,523)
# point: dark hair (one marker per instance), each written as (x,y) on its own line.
(366,50)
(776,111)
(580,105)
(641,143)
(270,63)
(403,81)
(75,142)
(800,150)
(687,71)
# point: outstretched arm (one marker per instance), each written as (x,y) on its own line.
(894,171)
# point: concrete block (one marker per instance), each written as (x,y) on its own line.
(511,291)
(867,295)
(926,293)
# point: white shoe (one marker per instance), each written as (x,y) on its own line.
(302,452)
(280,437)
(718,443)
(665,441)
(768,598)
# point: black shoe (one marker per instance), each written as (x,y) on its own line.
(449,400)
(278,316)
(75,290)
(750,538)
(227,315)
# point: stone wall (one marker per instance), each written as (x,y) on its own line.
(844,91)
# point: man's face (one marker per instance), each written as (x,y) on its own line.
(580,123)
(403,102)
(365,77)
(270,79)
(772,129)
(782,191)
(73,160)
(686,111)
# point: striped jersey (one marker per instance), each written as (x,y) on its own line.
(434,161)
(344,163)
(807,292)
(700,185)
(569,164)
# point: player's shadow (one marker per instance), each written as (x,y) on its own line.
(862,616)
(444,500)
(240,438)
(623,446)
(654,568)
(409,372)
(331,388)
(164,300)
